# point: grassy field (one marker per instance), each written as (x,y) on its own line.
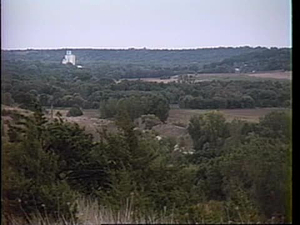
(158,80)
(287,75)
(177,116)
(175,127)
(182,116)
(267,75)
(276,75)
(91,212)
(176,124)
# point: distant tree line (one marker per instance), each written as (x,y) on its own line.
(141,63)
(156,57)
(266,60)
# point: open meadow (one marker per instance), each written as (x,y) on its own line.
(175,125)
(286,75)
(182,116)
(268,75)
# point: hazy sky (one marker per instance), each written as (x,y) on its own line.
(144,23)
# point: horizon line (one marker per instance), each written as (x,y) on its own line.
(140,48)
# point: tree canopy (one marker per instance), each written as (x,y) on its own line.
(238,169)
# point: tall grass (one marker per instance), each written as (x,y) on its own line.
(91,212)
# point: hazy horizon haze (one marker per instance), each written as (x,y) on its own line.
(157,24)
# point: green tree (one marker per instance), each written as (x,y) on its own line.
(7,99)
(108,109)
(74,111)
(132,105)
(158,106)
(247,102)
(30,179)
(208,132)
(260,169)
(277,124)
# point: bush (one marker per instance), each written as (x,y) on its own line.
(7,99)
(237,173)
(31,185)
(150,121)
(74,111)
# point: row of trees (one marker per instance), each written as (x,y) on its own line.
(239,171)
(217,102)
(119,64)
(266,60)
(244,101)
(129,57)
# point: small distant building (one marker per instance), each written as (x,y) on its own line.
(69,58)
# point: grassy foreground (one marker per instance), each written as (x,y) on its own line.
(91,212)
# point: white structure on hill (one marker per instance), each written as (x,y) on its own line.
(69,58)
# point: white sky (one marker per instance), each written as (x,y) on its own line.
(144,23)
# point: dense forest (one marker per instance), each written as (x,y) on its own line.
(159,63)
(266,60)
(239,172)
(135,56)
(235,172)
(25,82)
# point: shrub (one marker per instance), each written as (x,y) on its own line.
(74,111)
(150,121)
(7,99)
